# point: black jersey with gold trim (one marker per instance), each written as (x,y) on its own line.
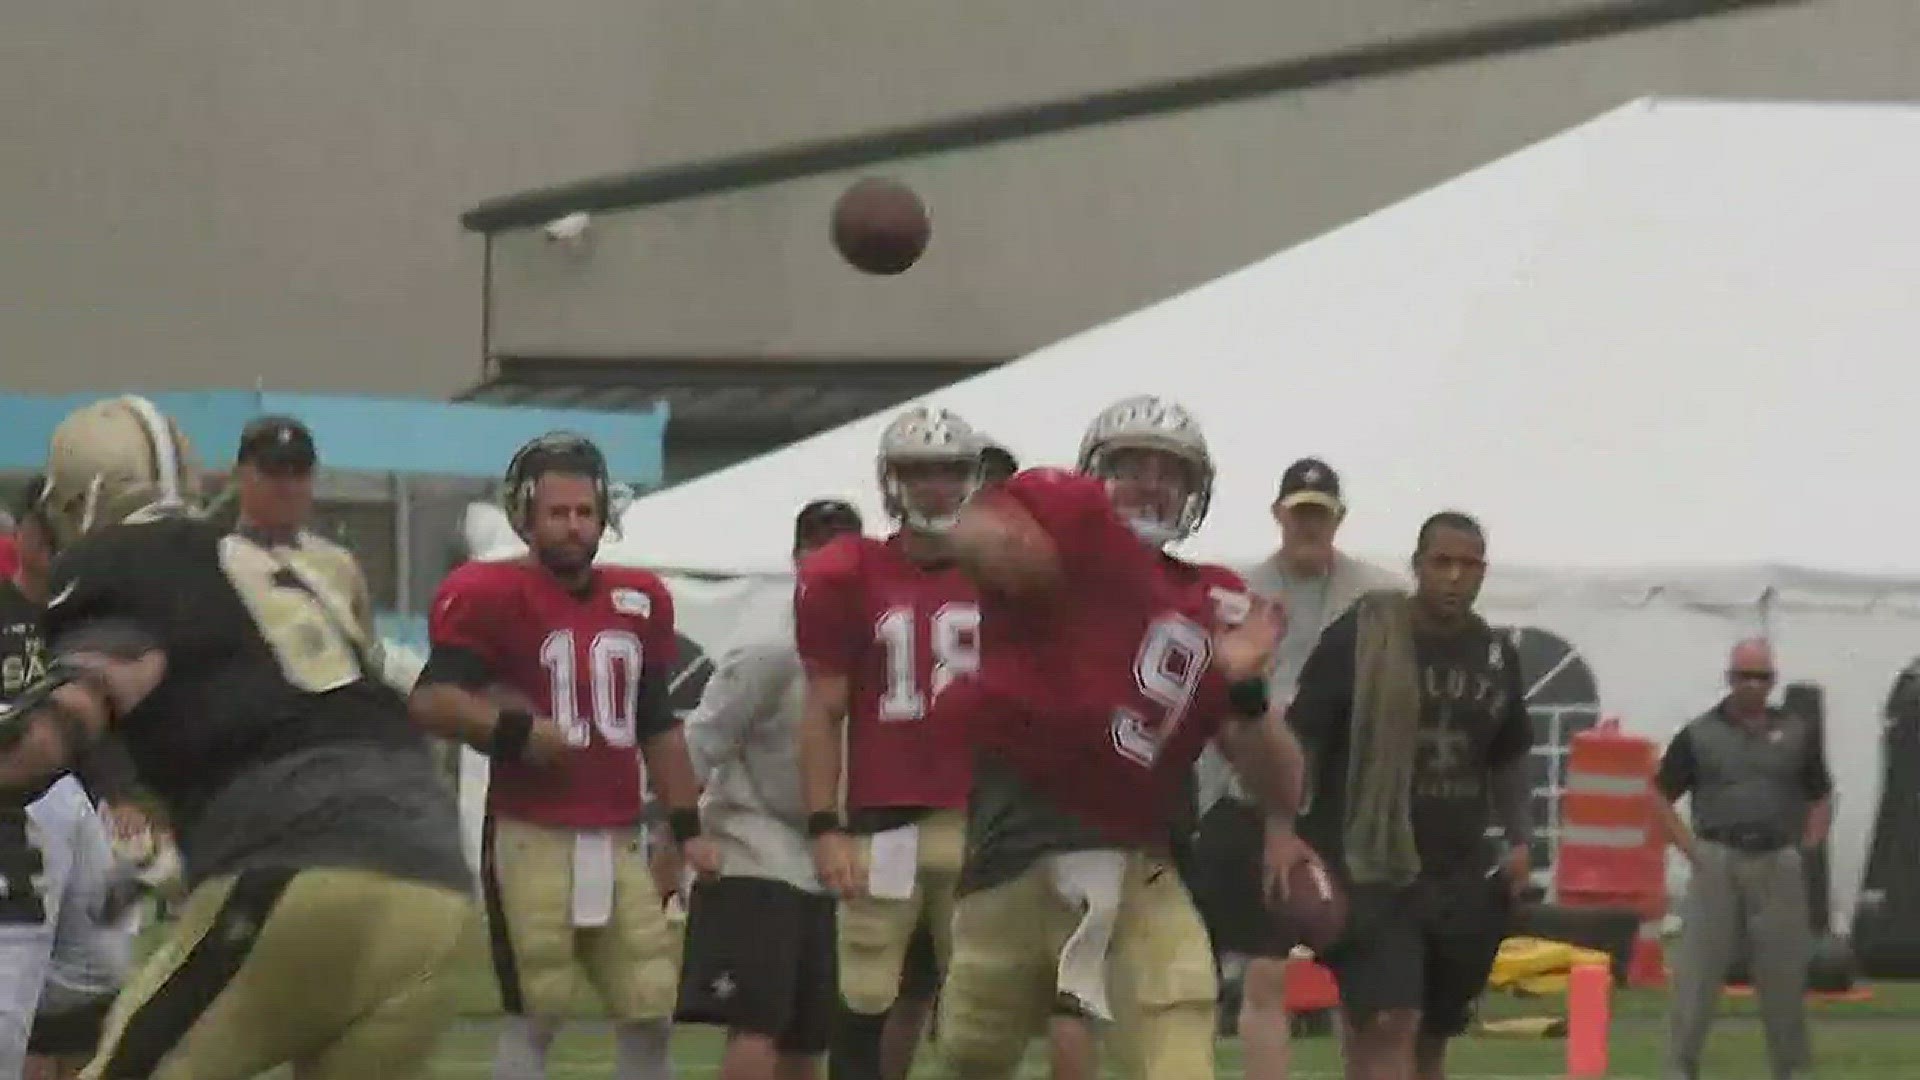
(265,665)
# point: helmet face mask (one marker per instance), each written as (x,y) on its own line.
(928,466)
(113,461)
(1153,489)
(1154,459)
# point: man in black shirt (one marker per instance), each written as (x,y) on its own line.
(62,937)
(1413,716)
(107,773)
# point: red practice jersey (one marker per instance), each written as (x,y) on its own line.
(900,633)
(579,659)
(1101,689)
(1218,589)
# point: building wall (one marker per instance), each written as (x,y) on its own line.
(214,192)
(209,193)
(1037,239)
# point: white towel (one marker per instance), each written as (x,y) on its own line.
(1090,881)
(593,878)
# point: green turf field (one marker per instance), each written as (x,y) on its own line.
(1875,1040)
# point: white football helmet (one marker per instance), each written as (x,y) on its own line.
(1150,423)
(923,436)
(117,460)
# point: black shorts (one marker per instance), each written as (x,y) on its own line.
(920,970)
(1227,868)
(1429,947)
(761,957)
(74,1031)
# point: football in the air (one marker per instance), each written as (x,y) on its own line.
(1315,908)
(880,226)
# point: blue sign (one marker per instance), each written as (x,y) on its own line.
(362,434)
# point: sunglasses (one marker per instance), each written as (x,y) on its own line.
(1752,676)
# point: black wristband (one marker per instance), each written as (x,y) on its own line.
(683,824)
(1249,698)
(824,822)
(511,731)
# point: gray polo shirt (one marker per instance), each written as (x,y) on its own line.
(1312,604)
(1754,783)
(743,739)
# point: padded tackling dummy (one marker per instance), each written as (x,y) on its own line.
(1808,700)
(1886,921)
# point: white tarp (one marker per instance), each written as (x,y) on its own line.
(1666,357)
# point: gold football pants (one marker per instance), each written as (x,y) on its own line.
(342,973)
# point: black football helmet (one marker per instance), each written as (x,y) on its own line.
(556,451)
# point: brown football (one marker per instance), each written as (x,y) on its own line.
(1315,908)
(880,226)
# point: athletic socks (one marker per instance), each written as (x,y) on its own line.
(641,1050)
(855,1054)
(520,1053)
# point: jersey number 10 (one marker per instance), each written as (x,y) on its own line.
(953,643)
(614,659)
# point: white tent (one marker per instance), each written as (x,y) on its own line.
(1668,357)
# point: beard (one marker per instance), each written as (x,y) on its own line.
(565,560)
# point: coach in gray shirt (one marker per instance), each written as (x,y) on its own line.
(760,953)
(1761,794)
(1315,584)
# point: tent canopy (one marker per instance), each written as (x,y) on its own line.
(1681,334)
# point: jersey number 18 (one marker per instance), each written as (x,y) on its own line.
(954,642)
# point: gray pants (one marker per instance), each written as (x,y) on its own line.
(1757,903)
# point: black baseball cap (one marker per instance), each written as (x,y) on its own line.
(1311,481)
(277,444)
(823,519)
(998,462)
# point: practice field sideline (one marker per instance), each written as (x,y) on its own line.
(1852,1041)
(1850,1050)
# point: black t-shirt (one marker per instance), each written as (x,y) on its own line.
(1473,720)
(1010,827)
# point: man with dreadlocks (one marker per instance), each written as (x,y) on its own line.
(327,885)
(559,670)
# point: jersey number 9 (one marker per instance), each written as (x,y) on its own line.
(1166,673)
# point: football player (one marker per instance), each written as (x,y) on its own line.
(65,940)
(85,945)
(1105,668)
(559,670)
(327,885)
(761,938)
(1154,457)
(883,626)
